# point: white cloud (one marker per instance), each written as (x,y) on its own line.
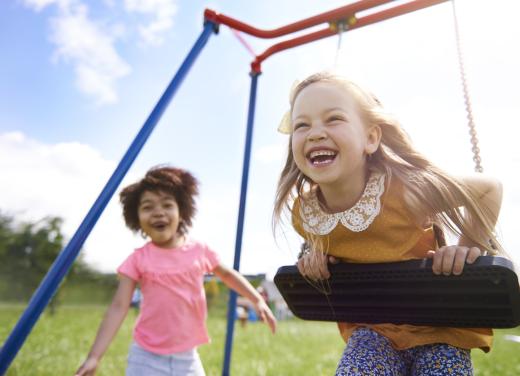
(88,46)
(162,12)
(63,179)
(91,50)
(38,5)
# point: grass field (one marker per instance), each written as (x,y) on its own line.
(59,343)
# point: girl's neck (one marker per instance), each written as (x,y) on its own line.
(175,242)
(336,198)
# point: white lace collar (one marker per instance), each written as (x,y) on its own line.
(356,219)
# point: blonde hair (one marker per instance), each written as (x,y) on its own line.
(451,205)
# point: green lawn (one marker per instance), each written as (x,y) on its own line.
(59,343)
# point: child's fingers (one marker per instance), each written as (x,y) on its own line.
(84,372)
(314,266)
(271,321)
(473,254)
(267,317)
(307,267)
(80,372)
(87,369)
(465,255)
(451,259)
(460,260)
(437,260)
(448,258)
(323,269)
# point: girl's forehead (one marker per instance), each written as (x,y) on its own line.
(323,94)
(156,195)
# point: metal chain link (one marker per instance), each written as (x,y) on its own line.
(471,124)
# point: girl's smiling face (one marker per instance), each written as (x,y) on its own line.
(159,218)
(329,138)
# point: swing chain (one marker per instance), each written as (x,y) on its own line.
(471,124)
(341,26)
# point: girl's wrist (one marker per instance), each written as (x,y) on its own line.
(257,300)
(93,356)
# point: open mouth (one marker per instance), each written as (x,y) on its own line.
(321,157)
(159,226)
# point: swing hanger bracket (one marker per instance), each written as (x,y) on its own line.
(342,24)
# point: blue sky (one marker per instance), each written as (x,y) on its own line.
(78,79)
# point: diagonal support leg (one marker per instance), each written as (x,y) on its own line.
(63,262)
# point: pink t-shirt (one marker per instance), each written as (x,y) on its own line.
(173,310)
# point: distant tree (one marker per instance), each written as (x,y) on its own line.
(27,251)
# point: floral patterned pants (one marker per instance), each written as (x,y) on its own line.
(369,353)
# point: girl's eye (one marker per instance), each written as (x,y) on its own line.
(335,118)
(299,125)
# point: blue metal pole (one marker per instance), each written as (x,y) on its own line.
(63,262)
(232,303)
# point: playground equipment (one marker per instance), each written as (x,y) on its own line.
(486,295)
(337,21)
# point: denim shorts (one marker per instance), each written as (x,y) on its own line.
(145,363)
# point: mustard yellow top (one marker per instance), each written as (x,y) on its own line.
(380,228)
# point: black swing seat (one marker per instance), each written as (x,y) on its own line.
(485,295)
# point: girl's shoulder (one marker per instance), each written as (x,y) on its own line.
(192,243)
(481,184)
(198,246)
(141,250)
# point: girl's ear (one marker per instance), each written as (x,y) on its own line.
(373,139)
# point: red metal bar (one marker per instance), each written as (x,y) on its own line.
(285,45)
(333,15)
(363,21)
(396,11)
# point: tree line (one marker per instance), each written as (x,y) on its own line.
(27,251)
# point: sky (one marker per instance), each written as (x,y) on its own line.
(79,78)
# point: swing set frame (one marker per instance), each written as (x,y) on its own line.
(346,18)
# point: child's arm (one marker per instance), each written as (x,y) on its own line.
(451,259)
(488,191)
(114,316)
(237,282)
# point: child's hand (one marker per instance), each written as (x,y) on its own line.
(451,259)
(314,266)
(88,368)
(265,314)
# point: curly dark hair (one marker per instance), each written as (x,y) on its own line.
(173,181)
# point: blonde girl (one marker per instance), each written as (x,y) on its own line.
(358,191)
(169,269)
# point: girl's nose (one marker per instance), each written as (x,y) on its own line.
(157,212)
(317,133)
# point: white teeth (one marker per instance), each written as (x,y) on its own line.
(318,153)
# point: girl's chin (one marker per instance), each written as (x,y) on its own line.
(163,243)
(321,174)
